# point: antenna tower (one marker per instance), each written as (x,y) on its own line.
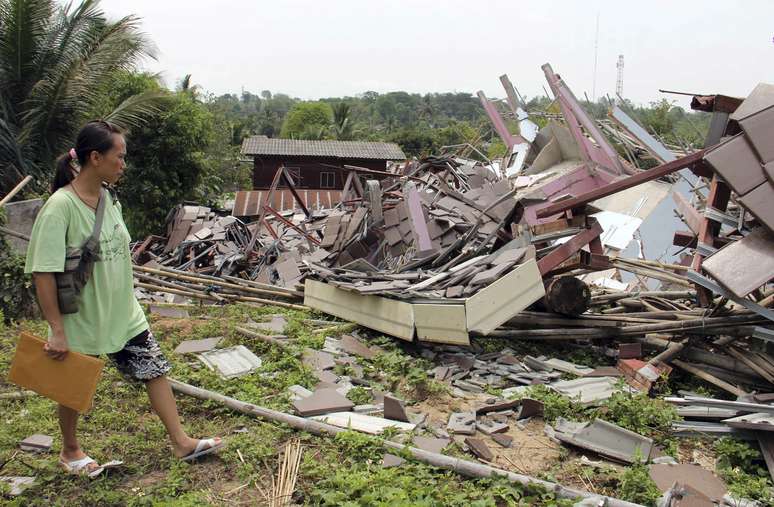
(619,81)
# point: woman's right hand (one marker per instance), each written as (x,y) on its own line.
(57,346)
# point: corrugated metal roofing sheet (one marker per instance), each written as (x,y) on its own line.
(260,145)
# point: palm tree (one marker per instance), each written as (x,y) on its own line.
(54,63)
(342,124)
(187,87)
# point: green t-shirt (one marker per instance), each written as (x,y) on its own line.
(108,314)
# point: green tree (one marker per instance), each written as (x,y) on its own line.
(414,141)
(342,124)
(54,61)
(307,120)
(170,159)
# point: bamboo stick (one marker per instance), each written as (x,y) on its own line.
(214,297)
(260,285)
(15,234)
(15,190)
(17,395)
(266,338)
(463,467)
(753,366)
(210,281)
(641,329)
(709,378)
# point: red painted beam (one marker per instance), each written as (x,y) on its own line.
(566,250)
(622,184)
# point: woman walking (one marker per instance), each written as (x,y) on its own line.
(108,320)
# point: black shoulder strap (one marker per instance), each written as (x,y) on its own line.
(92,244)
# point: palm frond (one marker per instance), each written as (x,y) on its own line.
(138,109)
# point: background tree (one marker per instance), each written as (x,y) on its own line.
(342,123)
(171,158)
(307,120)
(54,62)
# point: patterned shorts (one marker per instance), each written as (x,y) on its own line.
(141,358)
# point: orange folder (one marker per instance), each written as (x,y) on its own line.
(70,382)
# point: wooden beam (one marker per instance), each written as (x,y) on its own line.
(622,184)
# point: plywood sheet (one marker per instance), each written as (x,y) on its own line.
(494,305)
(395,318)
(441,323)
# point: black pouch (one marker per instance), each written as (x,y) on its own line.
(79,263)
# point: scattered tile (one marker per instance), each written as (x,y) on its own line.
(231,362)
(18,484)
(605,371)
(326,377)
(390,461)
(169,312)
(468,386)
(322,401)
(503,439)
(299,392)
(530,408)
(430,444)
(480,449)
(491,427)
(37,443)
(393,409)
(362,422)
(275,325)
(497,406)
(462,423)
(193,346)
(318,360)
(604,438)
(352,345)
(630,350)
(693,476)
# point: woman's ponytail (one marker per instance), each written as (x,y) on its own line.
(64,171)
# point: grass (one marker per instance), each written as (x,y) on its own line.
(345,470)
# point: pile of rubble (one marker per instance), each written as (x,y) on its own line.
(447,248)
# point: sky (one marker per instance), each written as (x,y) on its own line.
(333,48)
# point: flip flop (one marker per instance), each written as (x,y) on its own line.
(81,467)
(203,448)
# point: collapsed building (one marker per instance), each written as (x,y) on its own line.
(532,247)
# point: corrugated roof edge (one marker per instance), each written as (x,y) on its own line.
(261,145)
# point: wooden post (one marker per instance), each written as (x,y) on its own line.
(567,295)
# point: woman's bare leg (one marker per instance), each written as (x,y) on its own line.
(71,449)
(163,403)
